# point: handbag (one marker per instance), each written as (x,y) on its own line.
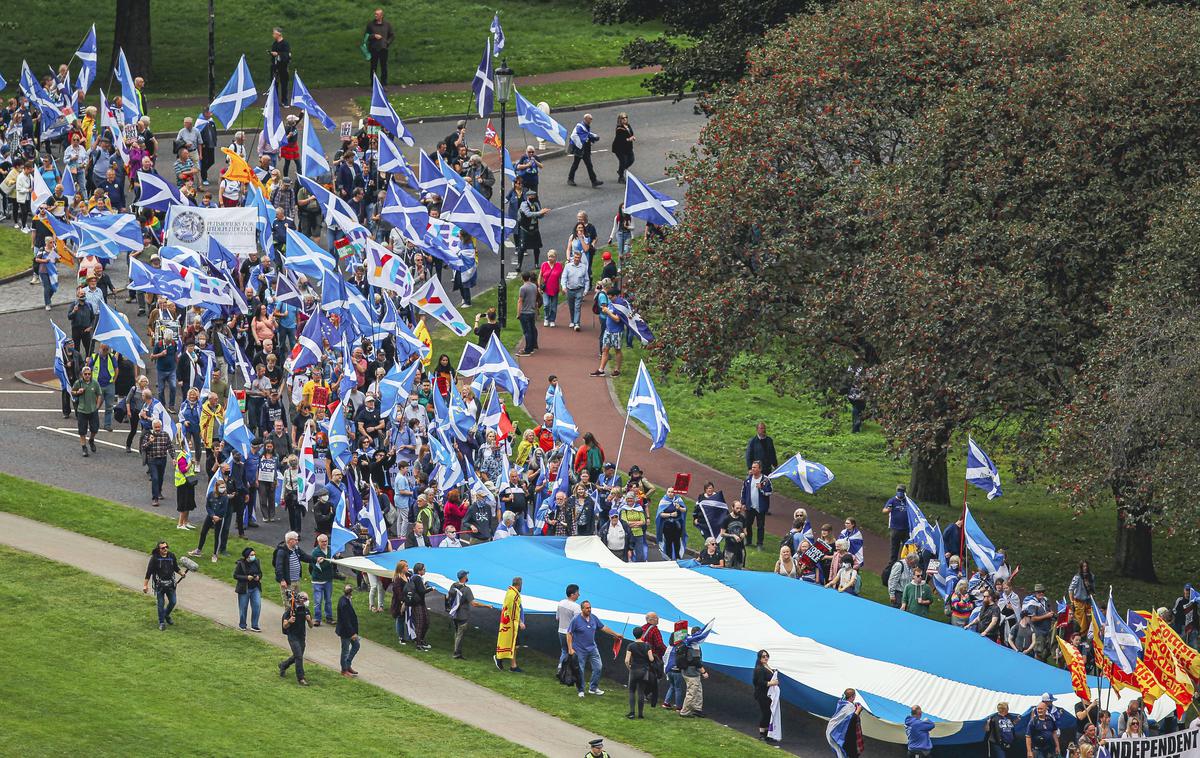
(366,54)
(121,410)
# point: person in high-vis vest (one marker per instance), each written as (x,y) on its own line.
(104,365)
(186,470)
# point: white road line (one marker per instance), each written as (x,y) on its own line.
(31,410)
(74,434)
(660,181)
(27,392)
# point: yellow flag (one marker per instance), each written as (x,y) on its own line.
(421,332)
(239,170)
(1075,665)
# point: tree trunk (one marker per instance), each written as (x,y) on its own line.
(131,33)
(928,482)
(1133,556)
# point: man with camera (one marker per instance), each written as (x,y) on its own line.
(286,562)
(162,569)
(296,621)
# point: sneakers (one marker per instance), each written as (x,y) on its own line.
(597,183)
(214,558)
(581,694)
(47,307)
(545,322)
(577,327)
(256,629)
(161,626)
(170,622)
(189,526)
(595,691)
(571,183)
(597,373)
(92,445)
(181,526)
(282,669)
(194,553)
(425,648)
(499,665)
(516,670)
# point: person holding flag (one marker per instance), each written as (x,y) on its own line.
(580,149)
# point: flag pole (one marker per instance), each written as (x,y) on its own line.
(621,447)
(962,533)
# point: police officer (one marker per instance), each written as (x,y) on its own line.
(596,749)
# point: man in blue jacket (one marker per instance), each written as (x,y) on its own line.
(347,630)
(917,729)
(896,509)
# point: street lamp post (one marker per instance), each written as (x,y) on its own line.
(504,82)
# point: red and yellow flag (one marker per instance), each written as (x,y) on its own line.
(1075,665)
(489,135)
(1113,673)
(421,332)
(1160,659)
(239,170)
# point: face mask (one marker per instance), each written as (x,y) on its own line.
(254,559)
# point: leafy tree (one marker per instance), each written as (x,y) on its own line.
(938,192)
(711,37)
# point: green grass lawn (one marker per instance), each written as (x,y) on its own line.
(660,734)
(559,96)
(15,255)
(435,41)
(129,689)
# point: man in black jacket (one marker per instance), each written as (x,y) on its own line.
(459,600)
(762,448)
(414,603)
(347,629)
(162,568)
(286,561)
(281,56)
(296,620)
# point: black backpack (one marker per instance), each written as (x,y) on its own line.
(566,672)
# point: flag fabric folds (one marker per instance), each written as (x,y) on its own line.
(1120,643)
(476,215)
(429,174)
(382,111)
(981,471)
(497,35)
(238,94)
(633,320)
(498,365)
(312,155)
(540,125)
(980,547)
(1075,665)
(235,432)
(305,256)
(404,212)
(483,85)
(113,329)
(60,365)
(920,531)
(642,201)
(431,297)
(809,476)
(395,386)
(274,134)
(387,270)
(120,229)
(303,99)
(646,406)
(129,93)
(157,193)
(87,54)
(564,429)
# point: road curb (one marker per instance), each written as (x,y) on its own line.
(16,277)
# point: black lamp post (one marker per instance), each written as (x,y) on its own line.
(504,82)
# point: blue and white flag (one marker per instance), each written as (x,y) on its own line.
(63,230)
(839,724)
(809,476)
(239,94)
(492,414)
(387,270)
(274,134)
(468,362)
(382,111)
(113,329)
(404,212)
(60,365)
(642,201)
(855,539)
(1136,621)
(391,160)
(265,215)
(159,412)
(120,229)
(476,215)
(129,93)
(339,441)
(498,365)
(1121,644)
(981,471)
(532,120)
(920,531)
(333,291)
(372,516)
(234,431)
(303,99)
(483,84)
(509,170)
(497,35)
(286,290)
(429,175)
(236,357)
(1193,595)
(143,278)
(564,429)
(446,469)
(157,193)
(334,210)
(646,406)
(348,381)
(632,319)
(395,386)
(68,185)
(95,243)
(221,258)
(312,155)
(182,256)
(87,54)
(461,420)
(945,579)
(979,545)
(407,343)
(303,255)
(310,345)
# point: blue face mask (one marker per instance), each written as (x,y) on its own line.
(254,559)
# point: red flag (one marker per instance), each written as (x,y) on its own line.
(489,135)
(506,425)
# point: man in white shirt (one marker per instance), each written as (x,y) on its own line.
(568,609)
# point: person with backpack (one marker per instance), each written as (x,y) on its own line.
(415,590)
(459,600)
(162,568)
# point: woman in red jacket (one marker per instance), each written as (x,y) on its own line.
(590,457)
(454,511)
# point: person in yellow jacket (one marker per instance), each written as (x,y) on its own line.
(212,420)
(511,622)
(185,486)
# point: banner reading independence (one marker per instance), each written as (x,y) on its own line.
(192,227)
(1175,745)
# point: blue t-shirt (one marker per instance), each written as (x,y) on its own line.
(166,363)
(898,518)
(583,633)
(287,317)
(917,730)
(613,323)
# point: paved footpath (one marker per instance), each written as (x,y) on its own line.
(596,409)
(384,668)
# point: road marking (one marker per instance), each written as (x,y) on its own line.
(660,181)
(26,392)
(74,434)
(31,410)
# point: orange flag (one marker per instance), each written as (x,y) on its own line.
(1076,666)
(489,135)
(1161,661)
(239,170)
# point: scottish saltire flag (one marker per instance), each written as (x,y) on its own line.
(395,386)
(308,468)
(431,297)
(303,99)
(402,211)
(129,93)
(273,132)
(334,210)
(1121,644)
(454,180)
(1192,594)
(646,406)
(182,256)
(235,356)
(201,289)
(221,258)
(121,229)
(36,94)
(809,476)
(286,290)
(498,365)
(63,230)
(509,169)
(492,414)
(945,579)
(143,278)
(234,431)
(239,94)
(446,468)
(303,255)
(641,201)
(981,471)
(3,83)
(157,194)
(476,215)
(979,545)
(408,343)
(468,362)
(855,538)
(339,441)
(376,525)
(159,412)
(391,160)
(581,135)
(94,243)
(564,429)
(60,366)
(537,123)
(497,35)
(633,320)
(87,54)
(483,85)
(310,344)
(312,155)
(387,314)
(839,724)
(920,531)
(461,420)
(113,329)
(429,174)
(256,199)
(362,319)
(68,185)
(382,111)
(333,291)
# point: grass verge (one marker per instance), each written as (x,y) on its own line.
(661,734)
(15,255)
(221,673)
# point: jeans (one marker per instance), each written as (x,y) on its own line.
(639,550)
(158,467)
(674,694)
(297,657)
(48,289)
(529,330)
(322,591)
(286,335)
(376,596)
(624,241)
(164,611)
(109,391)
(583,659)
(166,379)
(550,304)
(252,597)
(349,650)
(575,303)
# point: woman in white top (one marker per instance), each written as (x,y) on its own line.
(1133,730)
(846,577)
(786,565)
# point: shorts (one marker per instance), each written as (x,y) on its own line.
(89,423)
(611,340)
